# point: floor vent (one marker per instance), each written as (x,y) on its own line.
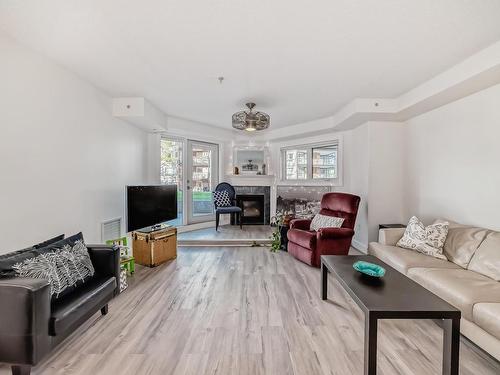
(111,229)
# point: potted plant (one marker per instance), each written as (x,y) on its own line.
(277,222)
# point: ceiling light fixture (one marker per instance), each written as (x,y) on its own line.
(250,120)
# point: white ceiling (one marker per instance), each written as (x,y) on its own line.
(298,60)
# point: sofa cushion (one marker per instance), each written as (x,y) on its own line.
(459,287)
(486,259)
(390,236)
(49,241)
(9,259)
(304,238)
(487,316)
(228,210)
(65,268)
(451,223)
(403,259)
(462,242)
(428,240)
(78,306)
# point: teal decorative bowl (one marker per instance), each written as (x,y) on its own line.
(369,269)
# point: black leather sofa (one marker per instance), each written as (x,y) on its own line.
(31,325)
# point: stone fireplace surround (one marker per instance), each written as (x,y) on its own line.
(258,190)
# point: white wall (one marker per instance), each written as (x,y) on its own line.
(441,164)
(372,160)
(64,160)
(387,158)
(444,163)
(373,169)
(357,153)
(453,168)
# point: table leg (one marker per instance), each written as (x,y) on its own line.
(451,346)
(371,326)
(324,281)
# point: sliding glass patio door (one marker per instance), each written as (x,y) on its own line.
(201,178)
(193,166)
(172,171)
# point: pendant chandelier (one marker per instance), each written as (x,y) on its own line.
(250,120)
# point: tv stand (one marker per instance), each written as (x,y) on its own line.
(154,228)
(152,247)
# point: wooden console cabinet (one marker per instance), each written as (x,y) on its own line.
(156,247)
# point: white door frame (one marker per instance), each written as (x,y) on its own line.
(189,218)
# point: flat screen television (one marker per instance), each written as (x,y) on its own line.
(149,205)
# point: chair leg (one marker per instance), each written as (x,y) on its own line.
(104,310)
(241,221)
(216,222)
(21,370)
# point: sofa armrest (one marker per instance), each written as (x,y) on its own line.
(390,236)
(106,261)
(332,233)
(24,323)
(303,224)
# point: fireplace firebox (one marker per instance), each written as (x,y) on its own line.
(253,208)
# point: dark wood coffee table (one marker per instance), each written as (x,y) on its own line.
(394,296)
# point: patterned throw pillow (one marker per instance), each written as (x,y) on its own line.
(221,198)
(9,259)
(323,221)
(426,240)
(63,268)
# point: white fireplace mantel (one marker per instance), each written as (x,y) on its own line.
(250,180)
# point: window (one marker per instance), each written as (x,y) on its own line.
(296,164)
(324,162)
(201,170)
(311,162)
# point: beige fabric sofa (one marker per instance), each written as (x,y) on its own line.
(469,280)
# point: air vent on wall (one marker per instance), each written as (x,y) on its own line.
(111,229)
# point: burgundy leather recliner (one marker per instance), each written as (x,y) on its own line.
(308,245)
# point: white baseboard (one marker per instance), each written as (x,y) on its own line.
(360,246)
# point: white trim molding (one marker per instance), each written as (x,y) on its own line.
(250,180)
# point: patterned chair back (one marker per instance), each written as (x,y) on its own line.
(227,187)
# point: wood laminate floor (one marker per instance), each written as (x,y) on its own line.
(227,235)
(233,310)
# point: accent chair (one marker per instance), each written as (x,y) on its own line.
(232,210)
(308,245)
